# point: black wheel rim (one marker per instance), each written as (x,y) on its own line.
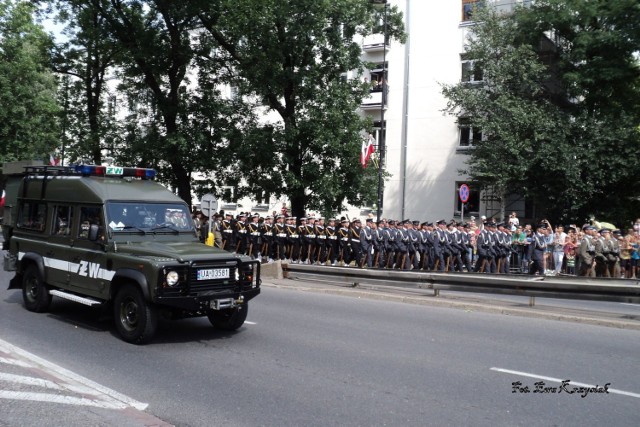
(32,289)
(129,314)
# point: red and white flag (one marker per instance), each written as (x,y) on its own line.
(2,200)
(54,160)
(368,148)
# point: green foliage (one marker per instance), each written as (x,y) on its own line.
(293,57)
(29,128)
(560,122)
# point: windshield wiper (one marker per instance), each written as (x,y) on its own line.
(168,225)
(129,227)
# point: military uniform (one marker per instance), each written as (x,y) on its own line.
(333,248)
(293,240)
(367,243)
(587,252)
(320,252)
(279,248)
(266,233)
(241,235)
(254,237)
(345,242)
(228,236)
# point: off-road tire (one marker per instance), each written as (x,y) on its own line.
(35,293)
(136,319)
(229,319)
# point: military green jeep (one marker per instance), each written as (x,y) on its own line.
(114,237)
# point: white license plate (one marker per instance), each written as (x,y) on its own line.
(213,273)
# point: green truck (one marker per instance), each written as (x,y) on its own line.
(114,237)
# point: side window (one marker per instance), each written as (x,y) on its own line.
(62,220)
(90,215)
(32,216)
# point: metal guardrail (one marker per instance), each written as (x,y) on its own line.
(569,287)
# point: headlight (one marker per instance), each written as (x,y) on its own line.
(172,278)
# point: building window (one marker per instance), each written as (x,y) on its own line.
(469,7)
(472,206)
(378,133)
(471,71)
(378,77)
(469,136)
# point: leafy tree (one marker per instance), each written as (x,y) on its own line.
(155,38)
(29,128)
(292,57)
(550,133)
(84,59)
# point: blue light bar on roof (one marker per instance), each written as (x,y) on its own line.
(93,170)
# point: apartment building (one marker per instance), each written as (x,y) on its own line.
(425,149)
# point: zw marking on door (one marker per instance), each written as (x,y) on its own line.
(90,269)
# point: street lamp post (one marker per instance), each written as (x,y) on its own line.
(382,135)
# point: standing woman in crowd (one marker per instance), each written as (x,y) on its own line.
(625,255)
(559,237)
(570,245)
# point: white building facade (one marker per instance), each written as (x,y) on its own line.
(426,148)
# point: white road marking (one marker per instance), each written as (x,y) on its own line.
(21,379)
(250,323)
(14,362)
(58,398)
(558,380)
(94,393)
(628,303)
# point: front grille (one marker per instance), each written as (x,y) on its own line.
(214,285)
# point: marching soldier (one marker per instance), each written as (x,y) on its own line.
(367,243)
(390,240)
(311,238)
(413,259)
(537,250)
(455,245)
(345,242)
(320,253)
(440,235)
(241,234)
(402,240)
(279,248)
(228,237)
(266,233)
(380,244)
(293,240)
(333,250)
(303,232)
(254,237)
(484,247)
(356,246)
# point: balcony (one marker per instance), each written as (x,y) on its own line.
(373,101)
(374,43)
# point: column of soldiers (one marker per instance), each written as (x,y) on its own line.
(389,244)
(406,245)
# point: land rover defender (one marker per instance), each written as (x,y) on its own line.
(114,237)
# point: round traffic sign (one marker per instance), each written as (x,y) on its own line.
(464,193)
(208,204)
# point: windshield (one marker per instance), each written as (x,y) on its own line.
(144,217)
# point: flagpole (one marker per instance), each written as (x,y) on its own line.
(381,135)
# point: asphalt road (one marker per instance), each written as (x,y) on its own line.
(318,359)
